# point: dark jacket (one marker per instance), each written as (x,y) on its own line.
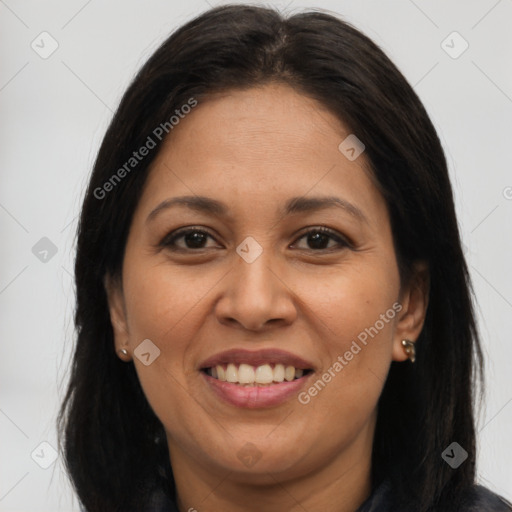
(480,500)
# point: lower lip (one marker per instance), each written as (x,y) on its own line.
(255,397)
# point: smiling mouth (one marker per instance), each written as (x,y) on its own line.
(249,375)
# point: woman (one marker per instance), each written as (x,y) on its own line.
(273,307)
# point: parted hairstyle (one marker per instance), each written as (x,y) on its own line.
(114,446)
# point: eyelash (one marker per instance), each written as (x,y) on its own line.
(169,240)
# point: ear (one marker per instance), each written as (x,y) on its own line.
(116,306)
(414,300)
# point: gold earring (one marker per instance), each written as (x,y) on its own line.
(409,349)
(124,355)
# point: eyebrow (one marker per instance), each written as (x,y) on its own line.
(203,204)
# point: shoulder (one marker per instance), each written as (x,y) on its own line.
(478,499)
(481,499)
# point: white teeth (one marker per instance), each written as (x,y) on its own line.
(246,374)
(264,374)
(231,373)
(289,373)
(278,373)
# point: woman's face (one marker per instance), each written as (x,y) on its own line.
(249,288)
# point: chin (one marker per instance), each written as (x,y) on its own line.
(253,460)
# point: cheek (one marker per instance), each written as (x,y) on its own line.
(162,305)
(357,320)
(161,299)
(356,313)
(356,301)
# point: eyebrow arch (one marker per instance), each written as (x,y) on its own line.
(203,204)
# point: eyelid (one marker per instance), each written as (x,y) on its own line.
(178,233)
(342,240)
(335,235)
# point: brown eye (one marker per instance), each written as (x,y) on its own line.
(319,238)
(193,239)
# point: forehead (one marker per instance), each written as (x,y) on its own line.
(248,123)
(264,144)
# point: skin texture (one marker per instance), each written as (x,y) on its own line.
(254,150)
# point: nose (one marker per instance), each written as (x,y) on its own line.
(256,296)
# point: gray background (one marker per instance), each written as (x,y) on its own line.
(54,112)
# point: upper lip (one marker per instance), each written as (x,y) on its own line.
(256,358)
